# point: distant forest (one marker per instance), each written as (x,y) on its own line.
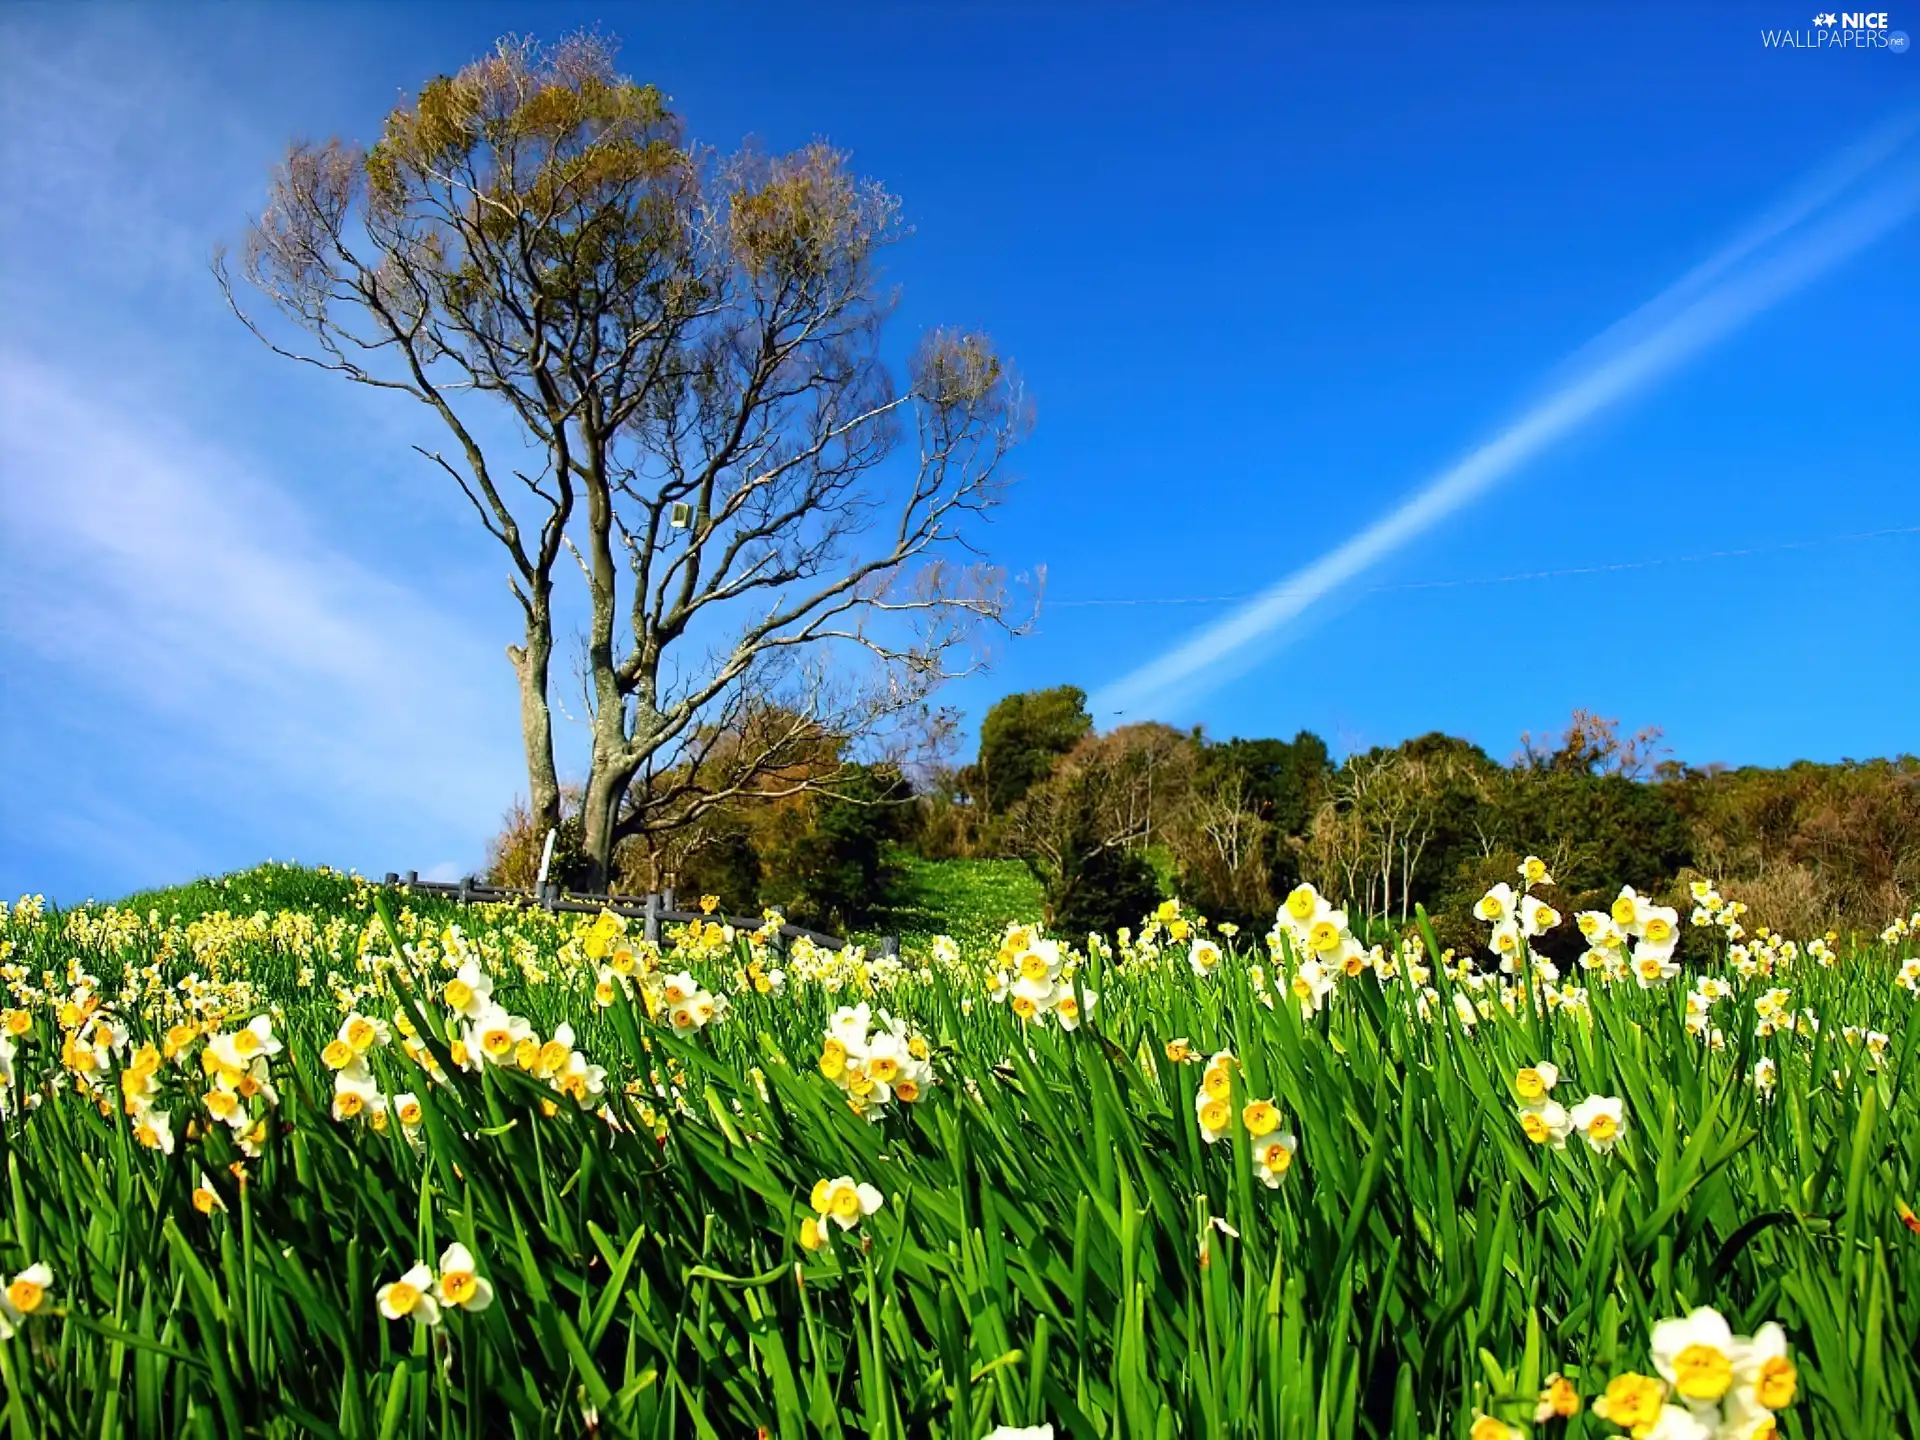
(1112,823)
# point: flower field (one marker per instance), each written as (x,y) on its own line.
(287,1155)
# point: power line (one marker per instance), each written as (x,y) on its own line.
(1609,569)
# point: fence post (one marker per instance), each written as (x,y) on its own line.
(666,898)
(393,877)
(889,945)
(466,888)
(653,918)
(413,877)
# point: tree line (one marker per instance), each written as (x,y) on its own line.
(1112,822)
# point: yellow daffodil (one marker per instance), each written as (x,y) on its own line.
(1632,1401)
(1558,1400)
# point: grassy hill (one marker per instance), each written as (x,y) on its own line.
(971,900)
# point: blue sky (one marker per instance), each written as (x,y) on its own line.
(1266,276)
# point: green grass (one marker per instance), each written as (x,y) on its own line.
(973,901)
(1046,1248)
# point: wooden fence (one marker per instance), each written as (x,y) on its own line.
(654,910)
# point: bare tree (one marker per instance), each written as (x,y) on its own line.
(1110,792)
(1223,843)
(1368,837)
(691,346)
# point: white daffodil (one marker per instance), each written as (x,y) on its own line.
(1496,905)
(355,1091)
(1204,957)
(1505,942)
(845,1201)
(1601,1121)
(1653,967)
(1547,1123)
(1629,911)
(849,1025)
(1534,1081)
(1273,1157)
(470,992)
(1311,986)
(1675,1423)
(1536,916)
(1067,1009)
(460,1283)
(23,1296)
(494,1034)
(410,1297)
(1763,1372)
(1696,1355)
(154,1129)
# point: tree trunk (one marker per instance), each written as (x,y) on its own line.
(598,817)
(531,664)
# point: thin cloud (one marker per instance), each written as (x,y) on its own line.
(1699,309)
(142,559)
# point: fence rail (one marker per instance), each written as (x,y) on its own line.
(654,909)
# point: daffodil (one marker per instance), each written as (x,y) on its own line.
(494,1034)
(410,1297)
(1533,871)
(1204,957)
(1534,1081)
(1764,1372)
(23,1296)
(460,1283)
(1675,1422)
(1536,916)
(1066,1009)
(1273,1157)
(1496,905)
(1601,1121)
(470,992)
(1696,1355)
(1311,986)
(1487,1427)
(1546,1123)
(1744,1419)
(1558,1400)
(1632,1401)
(1214,1115)
(362,1033)
(205,1198)
(154,1129)
(354,1091)
(846,1201)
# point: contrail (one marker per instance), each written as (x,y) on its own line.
(1699,308)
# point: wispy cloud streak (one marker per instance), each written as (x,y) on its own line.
(175,591)
(1798,240)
